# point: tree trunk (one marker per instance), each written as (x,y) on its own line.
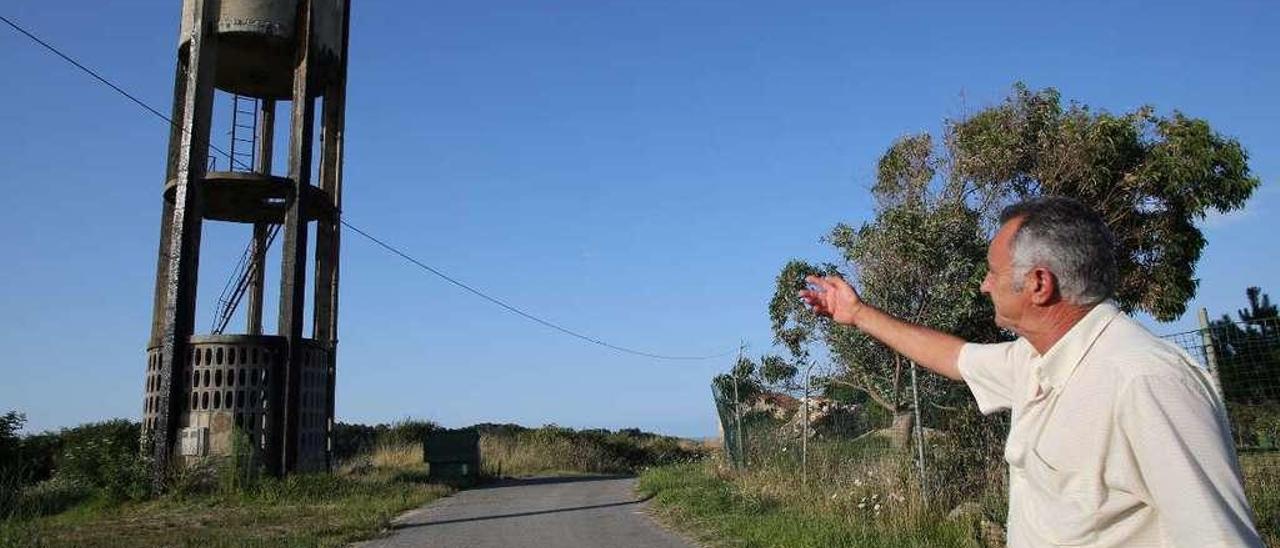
(900,431)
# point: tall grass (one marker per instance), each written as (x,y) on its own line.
(1262,486)
(507,451)
(862,492)
(96,493)
(215,503)
(720,506)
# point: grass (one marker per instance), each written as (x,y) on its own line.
(722,508)
(858,493)
(301,510)
(1262,485)
(553,450)
(220,504)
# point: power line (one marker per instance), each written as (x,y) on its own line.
(384,245)
(518,311)
(104,81)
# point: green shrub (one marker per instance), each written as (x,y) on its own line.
(10,423)
(50,497)
(105,455)
(14,473)
(1256,426)
(513,450)
(350,440)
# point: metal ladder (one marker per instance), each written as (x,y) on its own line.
(244,120)
(243,149)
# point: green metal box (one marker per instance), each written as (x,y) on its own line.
(452,455)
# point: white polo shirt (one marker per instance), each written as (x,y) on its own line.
(1117,439)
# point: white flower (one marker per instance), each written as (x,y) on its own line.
(862,505)
(877,508)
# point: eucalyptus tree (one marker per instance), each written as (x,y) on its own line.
(922,256)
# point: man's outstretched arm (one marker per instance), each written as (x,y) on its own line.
(833,297)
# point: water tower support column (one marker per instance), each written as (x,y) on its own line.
(176,277)
(266,134)
(329,230)
(293,269)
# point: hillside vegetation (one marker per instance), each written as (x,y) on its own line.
(88,485)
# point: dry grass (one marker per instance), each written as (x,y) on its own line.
(865,485)
(551,450)
(398,456)
(724,507)
(528,453)
(851,492)
(1262,485)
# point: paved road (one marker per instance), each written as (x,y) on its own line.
(570,512)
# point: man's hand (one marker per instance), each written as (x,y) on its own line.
(833,297)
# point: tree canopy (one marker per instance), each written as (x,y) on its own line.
(1247,352)
(1152,178)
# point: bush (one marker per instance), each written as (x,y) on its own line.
(1256,426)
(13,476)
(105,455)
(407,432)
(514,450)
(350,440)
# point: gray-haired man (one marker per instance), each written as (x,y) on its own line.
(1117,438)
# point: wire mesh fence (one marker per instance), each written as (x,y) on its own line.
(932,449)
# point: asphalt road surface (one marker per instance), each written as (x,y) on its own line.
(562,512)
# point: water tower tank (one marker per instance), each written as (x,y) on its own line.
(256,45)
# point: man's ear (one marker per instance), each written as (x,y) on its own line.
(1043,286)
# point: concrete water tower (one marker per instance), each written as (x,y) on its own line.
(275,390)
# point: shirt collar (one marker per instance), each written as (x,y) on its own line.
(1052,369)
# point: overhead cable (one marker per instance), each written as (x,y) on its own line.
(370,237)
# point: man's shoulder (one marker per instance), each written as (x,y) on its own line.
(1127,351)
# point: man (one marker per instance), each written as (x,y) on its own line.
(1117,438)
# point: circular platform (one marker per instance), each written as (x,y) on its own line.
(244,197)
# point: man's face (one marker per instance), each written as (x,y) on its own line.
(1010,304)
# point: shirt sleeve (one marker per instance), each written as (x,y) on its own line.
(988,370)
(1182,446)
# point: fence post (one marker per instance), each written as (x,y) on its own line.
(804,435)
(915,401)
(1210,353)
(741,461)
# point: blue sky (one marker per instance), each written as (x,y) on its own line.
(638,171)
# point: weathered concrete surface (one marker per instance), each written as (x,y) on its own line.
(567,512)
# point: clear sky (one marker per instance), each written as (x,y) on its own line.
(638,171)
